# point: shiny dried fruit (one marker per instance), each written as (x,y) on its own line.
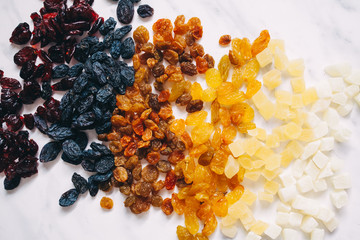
(178,126)
(150,173)
(170,180)
(201,64)
(201,133)
(153,157)
(224,67)
(188,68)
(120,174)
(196,118)
(141,35)
(180,26)
(145,11)
(260,43)
(166,206)
(106,203)
(125,11)
(194,106)
(225,40)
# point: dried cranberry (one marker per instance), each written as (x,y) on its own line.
(27,70)
(24,55)
(57,54)
(30,92)
(21,34)
(29,121)
(10,83)
(14,122)
(10,101)
(44,56)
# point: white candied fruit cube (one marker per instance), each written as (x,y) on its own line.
(265,57)
(320,159)
(310,149)
(326,172)
(295,219)
(229,231)
(306,205)
(338,70)
(272,79)
(357,98)
(341,181)
(332,224)
(305,184)
(232,167)
(287,179)
(297,84)
(336,163)
(308,224)
(296,67)
(320,105)
(298,168)
(312,120)
(325,214)
(290,234)
(340,98)
(312,170)
(282,207)
(323,90)
(273,231)
(352,90)
(327,144)
(252,236)
(281,61)
(332,117)
(337,84)
(320,185)
(344,110)
(342,134)
(236,148)
(288,193)
(317,234)
(282,218)
(339,198)
(354,78)
(320,130)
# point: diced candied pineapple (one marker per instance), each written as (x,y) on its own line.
(272,79)
(283,97)
(296,148)
(252,175)
(261,134)
(338,70)
(248,197)
(276,43)
(231,167)
(273,162)
(283,112)
(267,110)
(267,197)
(296,67)
(259,227)
(271,175)
(259,99)
(271,187)
(272,141)
(229,231)
(309,96)
(297,101)
(209,95)
(279,130)
(307,135)
(265,57)
(297,84)
(300,116)
(229,219)
(253,132)
(237,148)
(281,61)
(251,145)
(286,157)
(292,130)
(258,164)
(264,152)
(245,161)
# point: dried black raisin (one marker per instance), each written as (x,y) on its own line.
(125,11)
(50,151)
(68,198)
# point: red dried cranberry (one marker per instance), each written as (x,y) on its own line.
(10,101)
(10,83)
(57,54)
(69,46)
(13,121)
(24,55)
(27,70)
(29,121)
(81,12)
(31,91)
(21,34)
(44,56)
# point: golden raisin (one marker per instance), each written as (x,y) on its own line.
(141,35)
(224,67)
(106,203)
(260,43)
(225,40)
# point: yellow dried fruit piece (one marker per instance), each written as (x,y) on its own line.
(296,67)
(252,88)
(237,77)
(198,150)
(297,84)
(196,118)
(261,134)
(271,175)
(297,101)
(224,67)
(252,175)
(258,164)
(272,79)
(276,43)
(265,57)
(248,197)
(281,61)
(272,141)
(295,148)
(283,112)
(286,157)
(271,187)
(178,126)
(234,196)
(213,78)
(228,134)
(231,167)
(228,220)
(273,162)
(307,135)
(232,98)
(259,227)
(236,148)
(241,211)
(244,127)
(224,115)
(209,95)
(245,50)
(263,152)
(251,145)
(259,99)
(283,97)
(267,110)
(253,132)
(292,130)
(245,161)
(309,96)
(196,91)
(201,133)
(218,162)
(191,222)
(267,197)
(226,88)
(250,70)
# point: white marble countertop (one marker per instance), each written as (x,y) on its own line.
(322,32)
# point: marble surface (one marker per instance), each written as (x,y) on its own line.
(322,32)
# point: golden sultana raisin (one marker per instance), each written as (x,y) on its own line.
(201,64)
(225,40)
(213,78)
(260,43)
(166,206)
(106,203)
(180,26)
(141,35)
(224,67)
(196,118)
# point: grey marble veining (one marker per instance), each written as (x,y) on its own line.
(322,32)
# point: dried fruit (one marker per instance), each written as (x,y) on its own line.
(106,203)
(225,40)
(145,11)
(125,11)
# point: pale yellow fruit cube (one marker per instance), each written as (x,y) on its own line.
(283,97)
(258,164)
(228,220)
(286,157)
(248,197)
(237,210)
(231,167)
(251,145)
(281,61)
(264,152)
(272,141)
(295,148)
(253,132)
(271,187)
(309,96)
(259,99)
(273,162)
(276,43)
(297,101)
(259,227)
(245,161)
(267,110)
(272,79)
(279,130)
(296,67)
(297,84)
(265,57)
(300,116)
(252,175)
(292,130)
(307,135)
(283,112)
(261,134)
(266,197)
(236,148)
(271,175)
